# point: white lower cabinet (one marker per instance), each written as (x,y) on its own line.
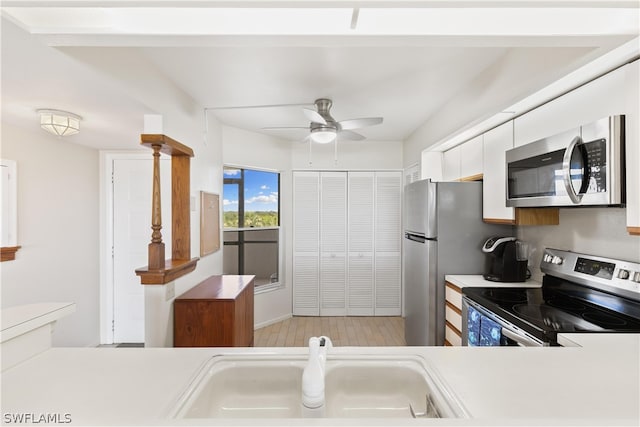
(347,237)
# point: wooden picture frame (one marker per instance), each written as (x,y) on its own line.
(209,223)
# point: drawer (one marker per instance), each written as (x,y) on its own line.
(453,295)
(452,336)
(453,317)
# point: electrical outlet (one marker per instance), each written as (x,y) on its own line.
(170,290)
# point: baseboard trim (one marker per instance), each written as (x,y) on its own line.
(272,321)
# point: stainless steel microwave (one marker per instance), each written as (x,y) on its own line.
(580,167)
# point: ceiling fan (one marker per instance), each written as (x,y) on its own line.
(324,128)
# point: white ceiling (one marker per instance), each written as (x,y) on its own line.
(408,64)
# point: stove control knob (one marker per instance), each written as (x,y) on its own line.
(556,260)
(636,277)
(623,274)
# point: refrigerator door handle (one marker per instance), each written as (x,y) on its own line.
(415,237)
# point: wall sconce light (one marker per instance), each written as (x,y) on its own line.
(58,122)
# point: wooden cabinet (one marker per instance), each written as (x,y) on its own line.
(215,313)
(453,315)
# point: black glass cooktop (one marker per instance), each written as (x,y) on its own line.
(559,306)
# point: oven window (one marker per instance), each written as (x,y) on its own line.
(537,176)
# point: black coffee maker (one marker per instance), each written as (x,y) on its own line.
(503,262)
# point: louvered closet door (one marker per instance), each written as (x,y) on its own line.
(333,243)
(306,241)
(360,244)
(387,288)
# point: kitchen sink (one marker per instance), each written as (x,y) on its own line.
(356,386)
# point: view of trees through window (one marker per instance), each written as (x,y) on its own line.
(250,198)
(251,221)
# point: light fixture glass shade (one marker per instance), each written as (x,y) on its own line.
(60,123)
(323,136)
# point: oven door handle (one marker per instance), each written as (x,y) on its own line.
(576,198)
(520,339)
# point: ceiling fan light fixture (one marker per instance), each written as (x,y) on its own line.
(58,122)
(323,136)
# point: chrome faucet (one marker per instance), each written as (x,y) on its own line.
(313,377)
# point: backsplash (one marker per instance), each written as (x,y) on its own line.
(594,231)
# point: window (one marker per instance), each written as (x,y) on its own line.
(251,208)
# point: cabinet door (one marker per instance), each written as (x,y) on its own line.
(471,162)
(632,138)
(388,199)
(451,164)
(333,243)
(599,98)
(306,241)
(496,142)
(360,243)
(432,165)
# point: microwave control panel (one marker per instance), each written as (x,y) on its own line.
(596,156)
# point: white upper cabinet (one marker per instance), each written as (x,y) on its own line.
(431,165)
(496,142)
(463,162)
(612,94)
(451,164)
(632,138)
(599,98)
(471,158)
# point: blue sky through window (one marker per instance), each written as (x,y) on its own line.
(260,191)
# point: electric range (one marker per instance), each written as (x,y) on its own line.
(579,293)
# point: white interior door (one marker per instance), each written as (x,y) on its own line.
(388,231)
(132,188)
(360,242)
(306,242)
(333,243)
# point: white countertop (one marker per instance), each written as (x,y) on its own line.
(597,384)
(477,281)
(24,318)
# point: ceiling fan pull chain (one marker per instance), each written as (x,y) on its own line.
(310,152)
(335,151)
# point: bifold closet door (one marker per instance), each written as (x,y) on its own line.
(360,244)
(333,243)
(388,241)
(306,243)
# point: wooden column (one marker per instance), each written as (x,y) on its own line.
(159,270)
(156,247)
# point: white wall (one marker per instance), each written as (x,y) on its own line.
(57,229)
(206,175)
(250,149)
(370,155)
(594,231)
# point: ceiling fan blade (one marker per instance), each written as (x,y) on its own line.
(359,123)
(353,136)
(314,116)
(285,127)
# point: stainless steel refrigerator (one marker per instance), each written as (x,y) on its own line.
(443,234)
